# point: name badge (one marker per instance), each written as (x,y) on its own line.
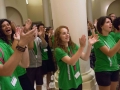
(77,74)
(14,81)
(45,50)
(36,56)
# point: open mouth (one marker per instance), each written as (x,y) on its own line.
(110,27)
(8,31)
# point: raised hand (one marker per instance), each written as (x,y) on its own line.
(28,25)
(41,33)
(93,31)
(17,33)
(82,41)
(49,35)
(34,26)
(25,38)
(95,22)
(93,39)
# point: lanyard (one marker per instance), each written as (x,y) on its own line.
(35,48)
(71,54)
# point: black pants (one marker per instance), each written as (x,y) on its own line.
(79,88)
(25,82)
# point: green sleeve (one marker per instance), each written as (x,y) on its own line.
(76,47)
(112,34)
(59,54)
(99,44)
(117,37)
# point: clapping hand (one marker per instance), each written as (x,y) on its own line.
(17,33)
(93,39)
(28,25)
(25,38)
(82,41)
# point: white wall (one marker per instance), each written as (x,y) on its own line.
(19,5)
(35,10)
(114,8)
(100,7)
(14,16)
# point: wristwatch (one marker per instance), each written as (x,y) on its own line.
(22,49)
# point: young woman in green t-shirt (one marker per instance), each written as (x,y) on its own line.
(106,65)
(116,36)
(10,59)
(67,55)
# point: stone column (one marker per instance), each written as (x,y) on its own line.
(72,13)
(89,10)
(46,12)
(2,9)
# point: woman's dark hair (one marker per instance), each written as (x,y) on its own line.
(2,35)
(40,24)
(48,28)
(101,22)
(116,23)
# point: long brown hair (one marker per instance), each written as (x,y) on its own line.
(57,39)
(2,35)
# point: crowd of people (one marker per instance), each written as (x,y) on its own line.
(33,51)
(26,55)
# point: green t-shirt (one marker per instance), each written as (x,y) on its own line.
(116,36)
(20,71)
(103,62)
(8,82)
(44,52)
(112,34)
(67,73)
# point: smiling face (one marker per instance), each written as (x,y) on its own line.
(64,35)
(107,26)
(6,28)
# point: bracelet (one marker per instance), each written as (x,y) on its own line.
(19,48)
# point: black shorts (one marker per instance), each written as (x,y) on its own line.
(25,82)
(105,78)
(35,74)
(48,66)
